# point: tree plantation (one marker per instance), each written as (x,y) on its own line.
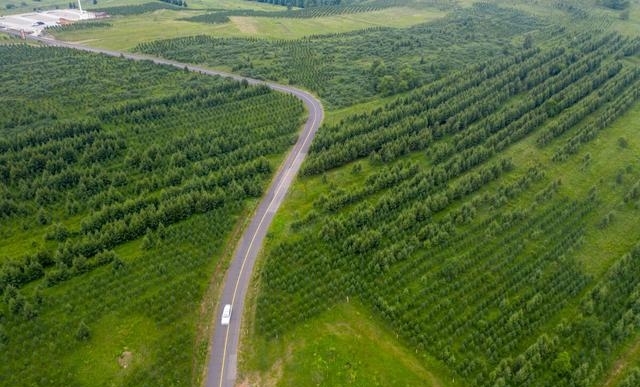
(473,214)
(347,68)
(472,257)
(468,214)
(96,152)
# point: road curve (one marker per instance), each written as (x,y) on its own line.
(222,364)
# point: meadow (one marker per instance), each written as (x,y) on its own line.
(127,31)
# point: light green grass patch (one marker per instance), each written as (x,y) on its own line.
(8,39)
(230,4)
(283,28)
(630,26)
(344,346)
(601,247)
(128,32)
(629,358)
(118,345)
(23,236)
(333,117)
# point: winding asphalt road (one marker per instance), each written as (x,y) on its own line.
(221,369)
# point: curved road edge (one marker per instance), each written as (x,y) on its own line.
(223,355)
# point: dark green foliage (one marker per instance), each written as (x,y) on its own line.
(195,172)
(179,3)
(3,336)
(220,17)
(77,26)
(562,364)
(57,233)
(83,333)
(347,68)
(622,142)
(633,194)
(614,4)
(137,9)
(633,379)
(306,3)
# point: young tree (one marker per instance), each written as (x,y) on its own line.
(83,333)
(562,364)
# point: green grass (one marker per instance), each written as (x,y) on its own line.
(7,39)
(293,28)
(627,358)
(601,247)
(104,359)
(345,346)
(128,32)
(630,26)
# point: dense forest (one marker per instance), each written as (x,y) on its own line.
(127,152)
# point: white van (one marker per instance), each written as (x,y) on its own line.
(226,315)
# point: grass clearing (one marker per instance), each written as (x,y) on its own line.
(127,32)
(118,346)
(629,357)
(345,346)
(606,159)
(630,26)
(283,28)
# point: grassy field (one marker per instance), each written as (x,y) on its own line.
(345,346)
(7,39)
(127,32)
